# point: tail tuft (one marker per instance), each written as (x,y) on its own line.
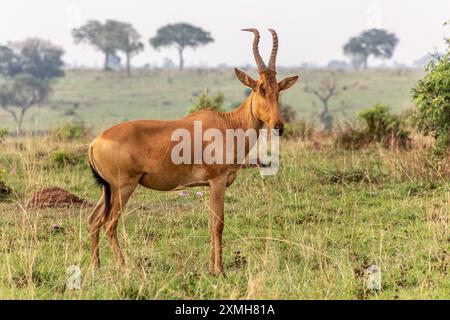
(106,187)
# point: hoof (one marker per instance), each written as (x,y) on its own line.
(95,266)
(217,272)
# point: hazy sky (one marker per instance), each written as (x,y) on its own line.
(309,31)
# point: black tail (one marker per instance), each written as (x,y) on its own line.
(106,187)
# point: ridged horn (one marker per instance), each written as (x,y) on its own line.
(259,61)
(273,55)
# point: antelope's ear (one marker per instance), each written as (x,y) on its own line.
(286,83)
(245,78)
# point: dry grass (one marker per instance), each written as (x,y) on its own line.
(304,233)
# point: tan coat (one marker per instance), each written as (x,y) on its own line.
(139,152)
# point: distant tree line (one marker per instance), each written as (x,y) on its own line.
(28,67)
(114,36)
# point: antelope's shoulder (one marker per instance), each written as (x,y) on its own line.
(208,117)
(135,129)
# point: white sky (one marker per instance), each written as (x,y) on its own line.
(309,31)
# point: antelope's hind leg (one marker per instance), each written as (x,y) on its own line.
(95,221)
(119,198)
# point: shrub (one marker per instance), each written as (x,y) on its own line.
(384,127)
(63,157)
(377,124)
(204,101)
(3,134)
(299,129)
(350,136)
(432,97)
(70,131)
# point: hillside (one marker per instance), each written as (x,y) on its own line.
(101,99)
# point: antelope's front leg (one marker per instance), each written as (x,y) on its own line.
(217,199)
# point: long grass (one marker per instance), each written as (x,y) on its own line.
(306,233)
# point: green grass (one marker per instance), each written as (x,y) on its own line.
(104,98)
(305,233)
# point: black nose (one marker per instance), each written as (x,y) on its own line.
(280,127)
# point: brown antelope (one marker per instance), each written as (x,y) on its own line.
(139,152)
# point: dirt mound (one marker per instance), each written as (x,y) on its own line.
(55,197)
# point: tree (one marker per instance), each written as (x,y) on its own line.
(110,37)
(34,56)
(356,49)
(27,68)
(432,98)
(39,58)
(327,89)
(376,42)
(21,92)
(180,36)
(9,62)
(128,42)
(100,36)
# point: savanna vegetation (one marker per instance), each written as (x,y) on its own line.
(308,232)
(101,99)
(363,180)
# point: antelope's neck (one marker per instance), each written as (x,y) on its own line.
(242,117)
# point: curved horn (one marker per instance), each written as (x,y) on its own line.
(273,55)
(259,61)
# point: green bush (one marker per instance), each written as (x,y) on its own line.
(432,97)
(204,101)
(3,134)
(383,126)
(63,157)
(70,131)
(377,124)
(350,136)
(299,129)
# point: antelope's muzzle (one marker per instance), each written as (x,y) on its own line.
(280,127)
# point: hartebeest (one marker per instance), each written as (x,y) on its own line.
(139,152)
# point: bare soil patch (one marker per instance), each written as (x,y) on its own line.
(55,197)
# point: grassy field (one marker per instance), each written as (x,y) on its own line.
(306,233)
(101,99)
